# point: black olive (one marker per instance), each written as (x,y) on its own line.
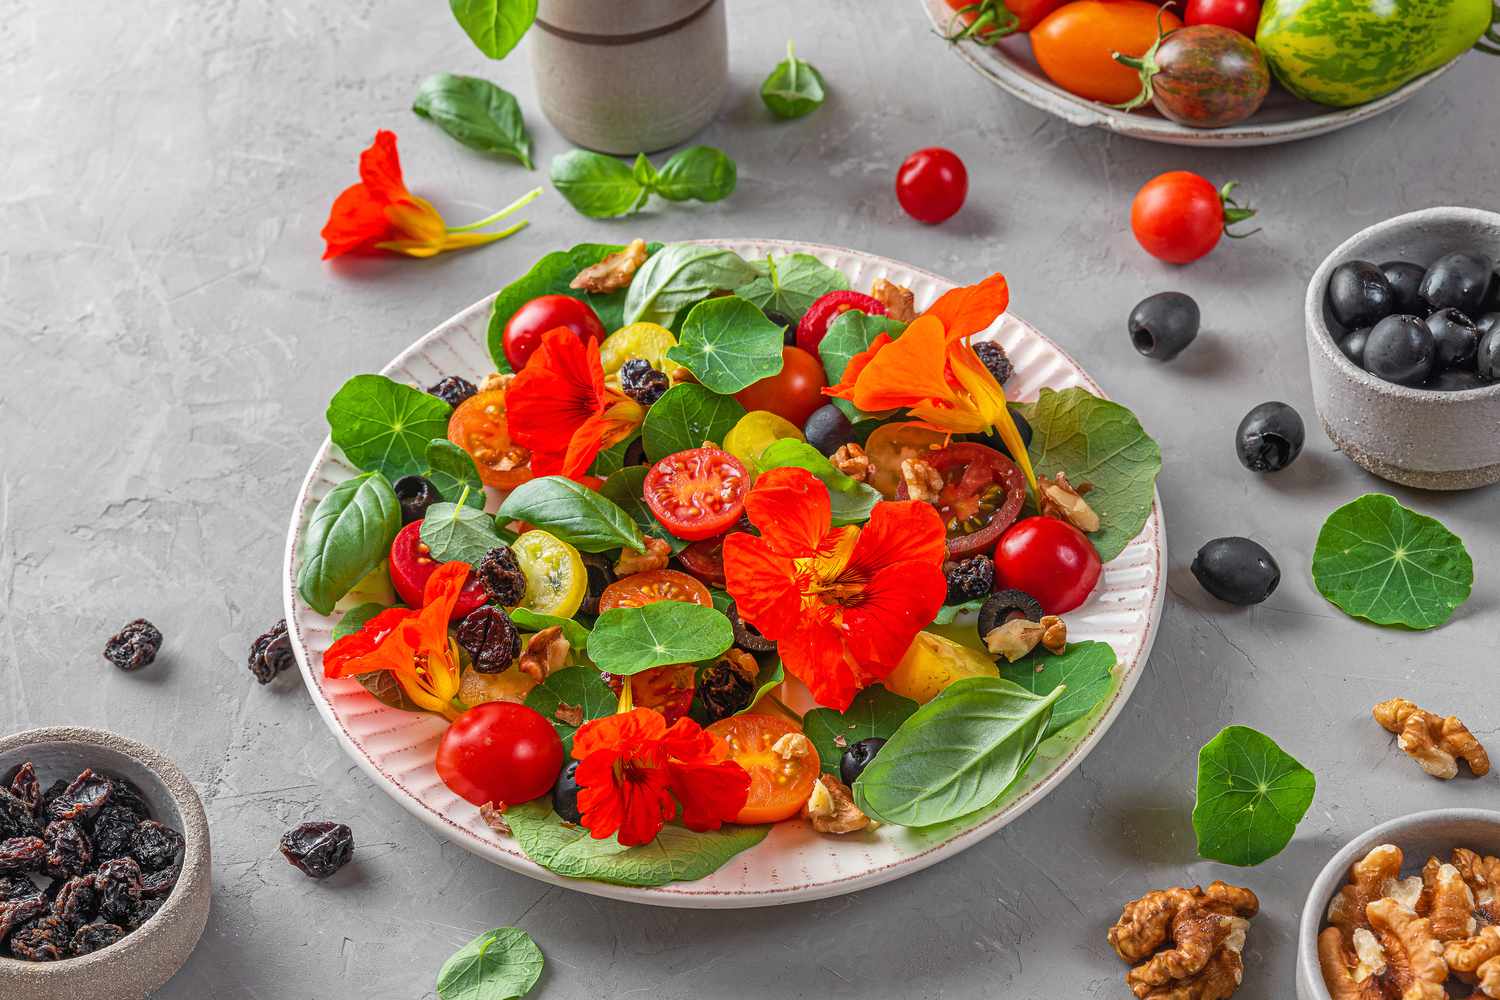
(828,429)
(1487,322)
(601,573)
(1455,380)
(1004,605)
(1353,345)
(855,759)
(1405,279)
(1487,358)
(787,324)
(565,794)
(1163,324)
(1023,427)
(1359,294)
(1269,438)
(1492,297)
(747,636)
(1400,349)
(1236,570)
(1458,281)
(415,494)
(1455,336)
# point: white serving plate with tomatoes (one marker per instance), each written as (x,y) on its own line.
(793,864)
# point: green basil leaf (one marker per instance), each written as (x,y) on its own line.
(527,620)
(698,173)
(790,283)
(599,186)
(1087,668)
(728,344)
(770,676)
(477,113)
(874,712)
(350,532)
(355,618)
(453,472)
(494,26)
(956,754)
(1097,441)
(1377,560)
(612,459)
(948,612)
(501,964)
(680,275)
(686,416)
(573,512)
(459,534)
(794,87)
(852,332)
(384,426)
(676,855)
(625,489)
(627,641)
(1251,796)
(581,687)
(643,172)
(851,500)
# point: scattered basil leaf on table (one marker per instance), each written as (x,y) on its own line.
(1087,668)
(580,687)
(728,344)
(677,853)
(789,284)
(949,612)
(627,641)
(642,172)
(384,426)
(355,618)
(794,87)
(1097,441)
(851,501)
(698,173)
(477,113)
(624,488)
(605,187)
(349,533)
(677,277)
(501,964)
(1251,796)
(873,712)
(494,26)
(686,416)
(457,533)
(453,472)
(1377,560)
(585,519)
(957,753)
(574,631)
(852,332)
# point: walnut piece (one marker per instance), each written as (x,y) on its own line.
(1368,878)
(1414,955)
(851,460)
(1451,906)
(1351,975)
(1207,934)
(792,746)
(923,482)
(494,817)
(1482,875)
(900,304)
(497,381)
(1436,744)
(655,557)
(831,807)
(545,652)
(1061,499)
(613,272)
(1054,634)
(568,715)
(1014,639)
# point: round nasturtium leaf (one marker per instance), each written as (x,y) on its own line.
(1251,796)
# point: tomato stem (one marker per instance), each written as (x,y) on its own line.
(992,22)
(1146,65)
(1234,212)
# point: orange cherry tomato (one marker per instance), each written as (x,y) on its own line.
(792,393)
(654,585)
(779,782)
(478,426)
(1075,46)
(668,690)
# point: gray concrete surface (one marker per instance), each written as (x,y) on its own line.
(170,340)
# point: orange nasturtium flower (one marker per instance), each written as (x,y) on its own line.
(634,771)
(413,645)
(842,604)
(560,409)
(932,371)
(379,213)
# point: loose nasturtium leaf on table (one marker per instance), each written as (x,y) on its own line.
(502,964)
(624,488)
(1097,441)
(579,687)
(1085,667)
(459,533)
(874,712)
(681,275)
(728,344)
(1377,560)
(1251,796)
(790,283)
(384,426)
(349,533)
(629,640)
(452,471)
(851,500)
(578,515)
(686,416)
(477,113)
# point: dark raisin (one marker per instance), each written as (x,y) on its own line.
(641,382)
(318,849)
(159,885)
(453,390)
(25,787)
(155,846)
(22,854)
(45,939)
(16,819)
(92,937)
(1001,607)
(77,901)
(69,850)
(601,573)
(271,653)
(16,887)
(415,494)
(747,636)
(82,799)
(51,794)
(119,883)
(133,646)
(995,359)
(724,689)
(125,795)
(501,576)
(490,638)
(969,579)
(16,912)
(114,832)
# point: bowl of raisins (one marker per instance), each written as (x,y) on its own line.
(104,866)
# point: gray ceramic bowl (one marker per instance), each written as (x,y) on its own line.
(1420,836)
(1416,437)
(148,957)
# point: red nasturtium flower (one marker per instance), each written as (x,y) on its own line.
(634,771)
(413,645)
(379,213)
(842,604)
(560,409)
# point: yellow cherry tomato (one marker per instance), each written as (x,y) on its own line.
(556,581)
(755,433)
(932,663)
(638,340)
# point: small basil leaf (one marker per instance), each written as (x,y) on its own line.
(728,344)
(355,618)
(699,173)
(579,687)
(643,172)
(624,488)
(459,534)
(874,712)
(494,26)
(794,87)
(384,426)
(851,500)
(686,416)
(791,283)
(453,472)
(627,641)
(349,533)
(598,186)
(501,964)
(1085,667)
(574,513)
(527,620)
(477,113)
(1251,796)
(680,275)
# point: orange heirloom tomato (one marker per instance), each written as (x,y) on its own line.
(780,783)
(479,427)
(1076,43)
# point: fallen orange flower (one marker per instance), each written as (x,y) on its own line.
(379,213)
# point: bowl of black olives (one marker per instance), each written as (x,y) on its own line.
(1403,343)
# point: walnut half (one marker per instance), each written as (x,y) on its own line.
(613,272)
(1206,931)
(831,807)
(1436,744)
(545,652)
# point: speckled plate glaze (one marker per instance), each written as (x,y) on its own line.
(793,863)
(1282,118)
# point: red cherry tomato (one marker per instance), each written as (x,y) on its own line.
(1178,216)
(705,560)
(813,325)
(932,184)
(792,393)
(1049,559)
(982,493)
(500,752)
(697,493)
(411,565)
(524,329)
(1237,15)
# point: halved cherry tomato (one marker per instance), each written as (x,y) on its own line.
(891,444)
(524,329)
(412,564)
(1049,559)
(1076,45)
(654,585)
(932,184)
(981,496)
(705,559)
(478,426)
(697,493)
(668,690)
(556,580)
(813,325)
(780,783)
(792,393)
(500,752)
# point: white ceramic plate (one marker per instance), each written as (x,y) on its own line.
(1283,117)
(793,863)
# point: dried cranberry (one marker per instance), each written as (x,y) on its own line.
(91,937)
(490,638)
(501,576)
(453,390)
(22,854)
(318,849)
(271,653)
(133,646)
(82,799)
(69,850)
(45,939)
(77,902)
(25,787)
(995,359)
(119,884)
(114,832)
(155,846)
